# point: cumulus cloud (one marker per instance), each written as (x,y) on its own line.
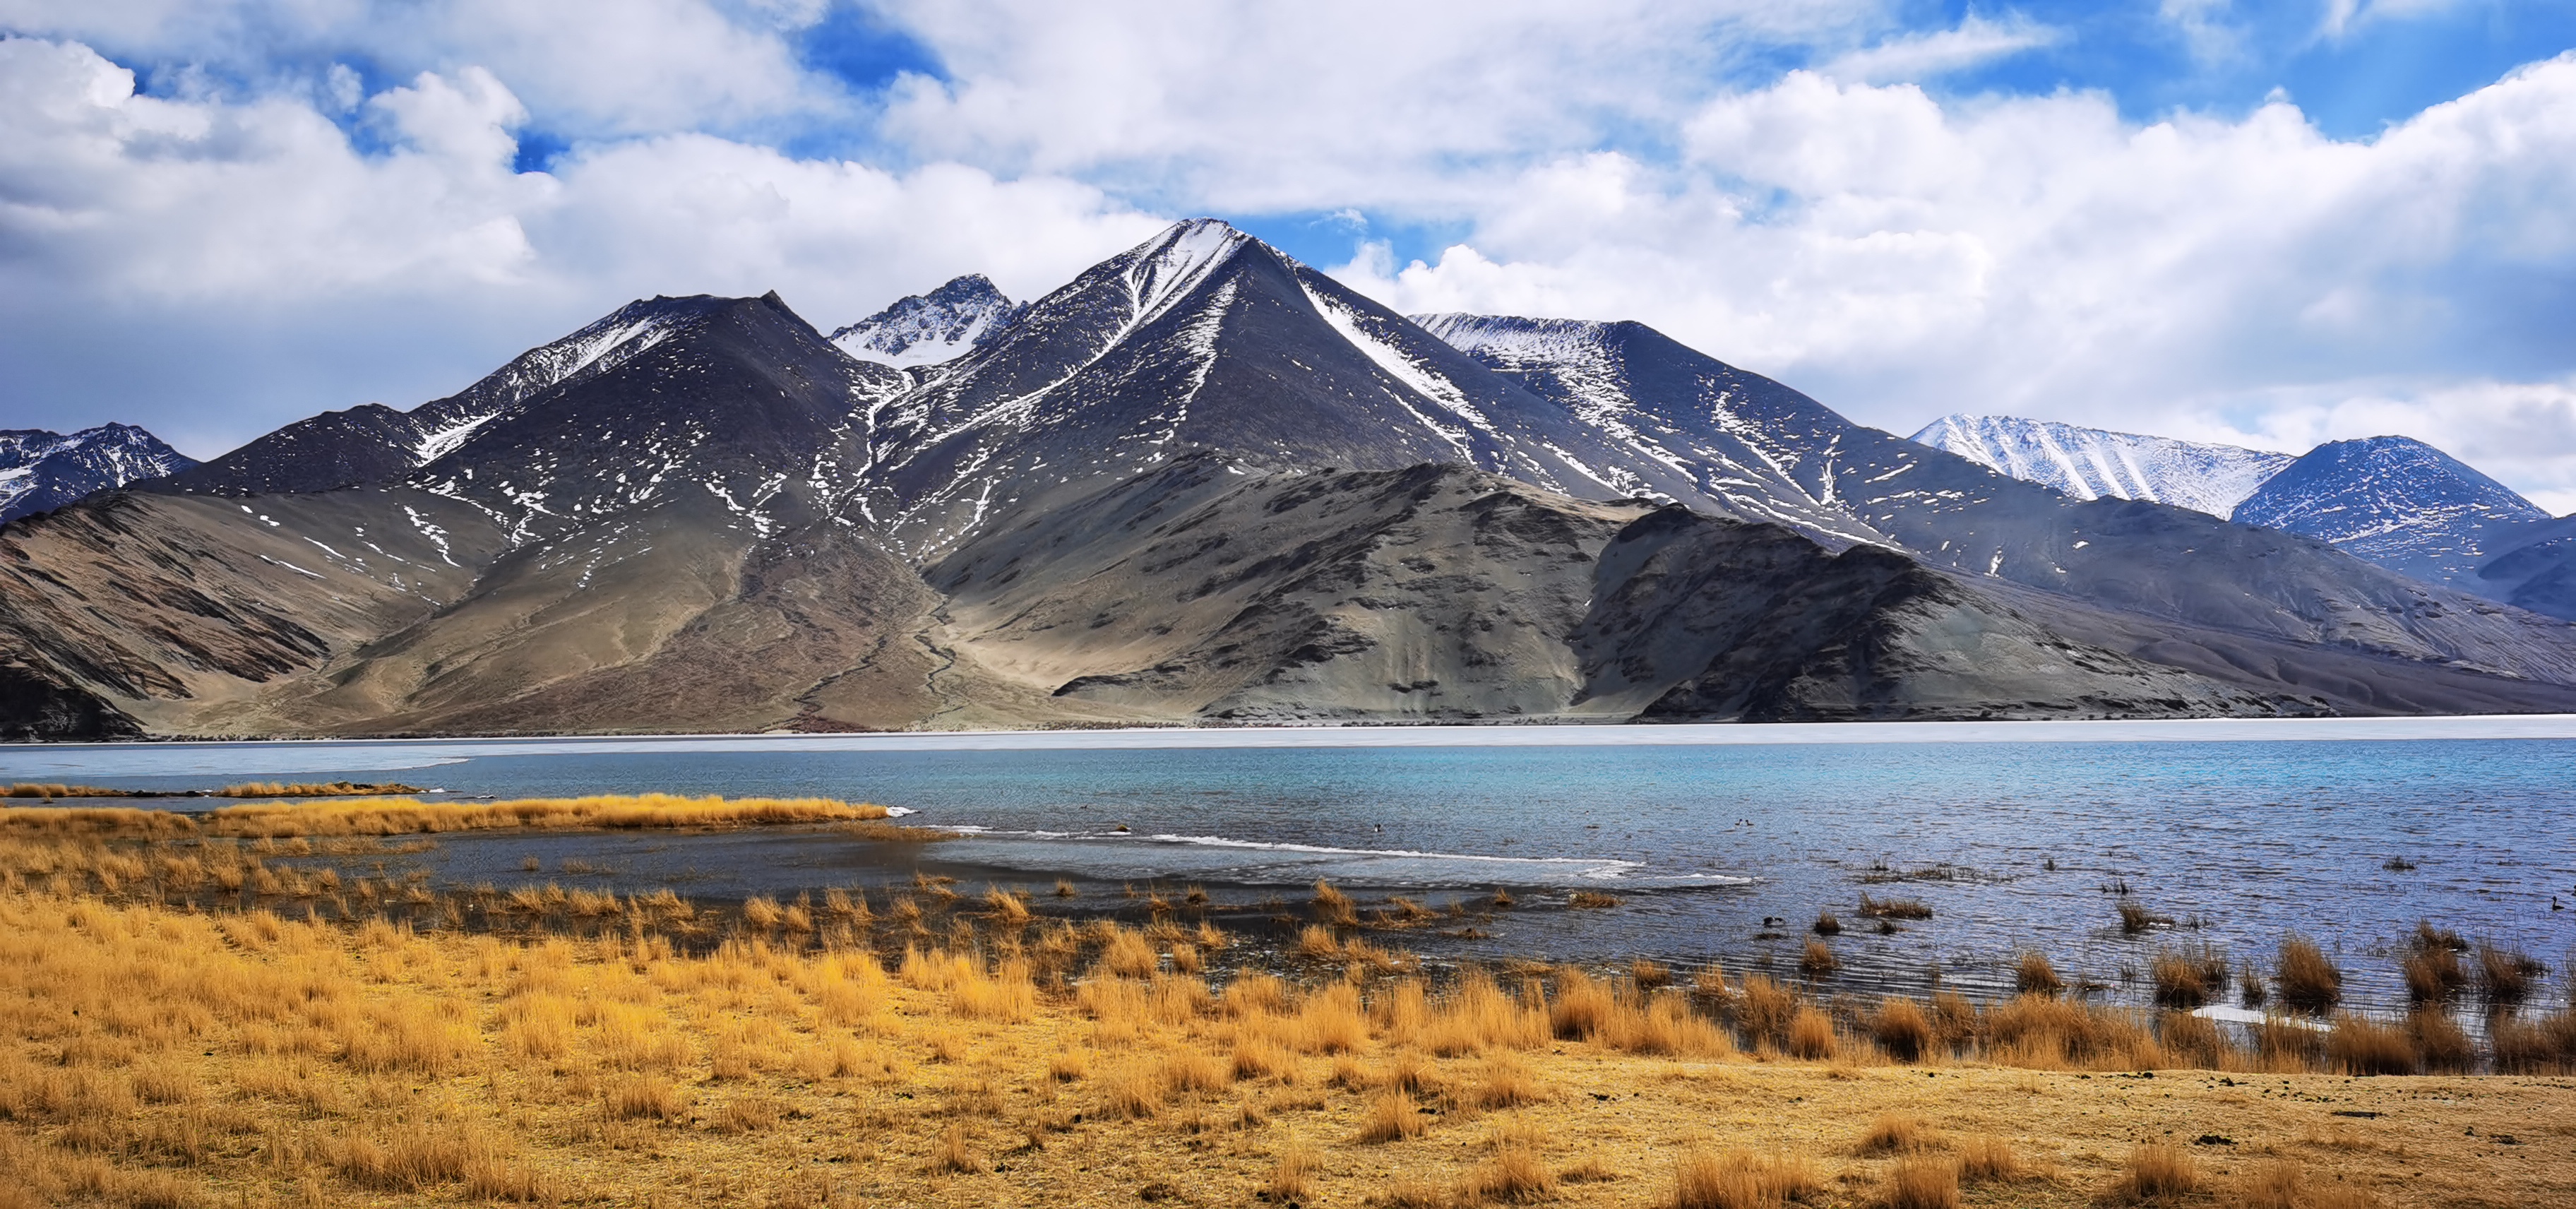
(594,68)
(272,267)
(1901,258)
(1262,108)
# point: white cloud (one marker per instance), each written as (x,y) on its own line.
(592,68)
(1263,108)
(2343,17)
(1974,42)
(1901,258)
(273,269)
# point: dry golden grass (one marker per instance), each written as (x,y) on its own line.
(1901,1028)
(1515,1173)
(382,816)
(1896,1132)
(1741,1179)
(311,789)
(2156,1172)
(2360,1046)
(1893,908)
(2306,980)
(1922,1181)
(160,1055)
(1811,1035)
(1987,1159)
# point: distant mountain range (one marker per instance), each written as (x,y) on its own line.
(1200,482)
(41,471)
(2393,501)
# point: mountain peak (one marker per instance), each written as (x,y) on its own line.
(927,329)
(1163,269)
(42,470)
(2395,501)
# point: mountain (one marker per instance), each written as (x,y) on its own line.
(1198,483)
(2397,502)
(375,444)
(41,471)
(2090,463)
(2205,584)
(926,329)
(1444,592)
(1204,338)
(2392,501)
(2537,568)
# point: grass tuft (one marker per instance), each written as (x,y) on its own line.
(1922,1181)
(2034,976)
(2156,1171)
(1741,1179)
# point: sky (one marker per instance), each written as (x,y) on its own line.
(2270,224)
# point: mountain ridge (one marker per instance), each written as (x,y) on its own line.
(2090,463)
(1200,482)
(41,470)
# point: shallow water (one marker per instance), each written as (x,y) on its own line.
(2237,833)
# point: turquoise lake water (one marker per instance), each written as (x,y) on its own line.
(2013,844)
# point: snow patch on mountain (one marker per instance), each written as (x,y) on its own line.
(2092,463)
(929,329)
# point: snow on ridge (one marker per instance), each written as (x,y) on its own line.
(444,441)
(2092,463)
(1512,336)
(1430,383)
(1177,260)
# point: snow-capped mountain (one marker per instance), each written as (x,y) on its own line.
(1204,338)
(1200,481)
(2090,463)
(927,329)
(2397,502)
(41,471)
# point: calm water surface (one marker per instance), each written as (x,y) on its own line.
(2013,844)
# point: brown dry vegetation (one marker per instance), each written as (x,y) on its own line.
(251,789)
(411,816)
(170,1055)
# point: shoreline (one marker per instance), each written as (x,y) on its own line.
(1428,734)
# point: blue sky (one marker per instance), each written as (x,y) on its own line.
(2266,223)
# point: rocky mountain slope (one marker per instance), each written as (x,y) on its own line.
(2090,463)
(1199,483)
(41,471)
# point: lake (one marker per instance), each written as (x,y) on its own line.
(2015,834)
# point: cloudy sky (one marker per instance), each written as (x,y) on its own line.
(2270,223)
